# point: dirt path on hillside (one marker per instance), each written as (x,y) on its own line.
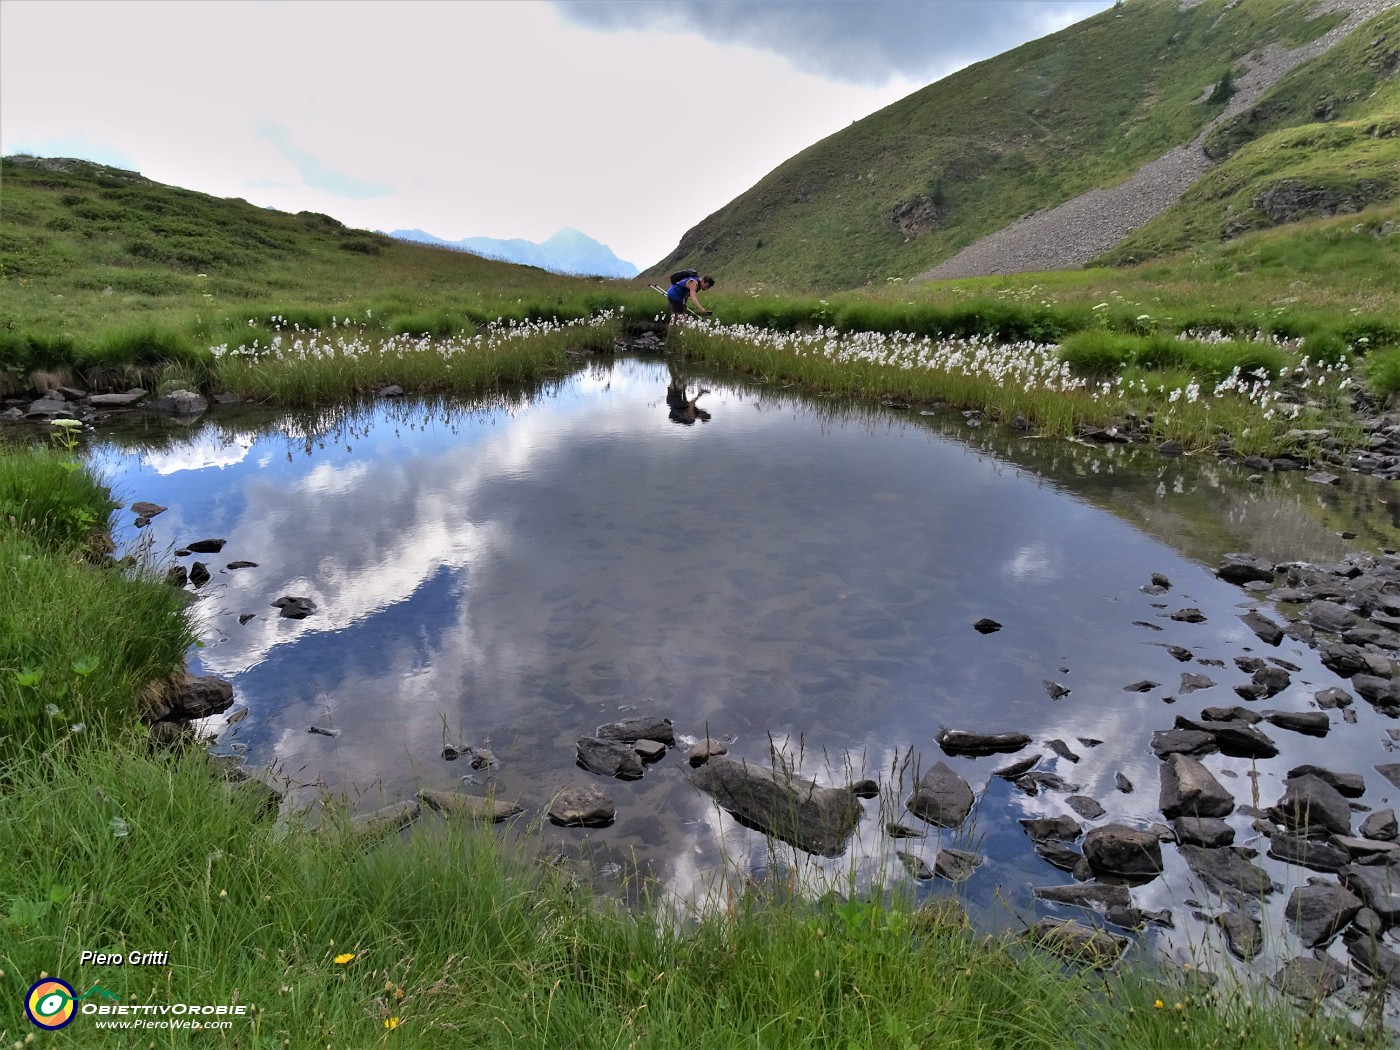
(1086,226)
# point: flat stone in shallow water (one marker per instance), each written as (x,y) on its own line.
(468,807)
(1189,789)
(386,819)
(968,742)
(585,806)
(642,728)
(816,819)
(1228,869)
(1096,896)
(1116,849)
(608,758)
(1311,853)
(1052,829)
(1318,911)
(1244,935)
(941,797)
(1310,979)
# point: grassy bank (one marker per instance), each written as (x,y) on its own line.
(444,939)
(80,635)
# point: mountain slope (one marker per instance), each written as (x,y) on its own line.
(567,251)
(908,187)
(1105,221)
(90,253)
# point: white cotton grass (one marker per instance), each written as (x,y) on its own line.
(1030,379)
(297,365)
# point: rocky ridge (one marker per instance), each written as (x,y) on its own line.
(1073,233)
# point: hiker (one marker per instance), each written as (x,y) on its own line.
(684,290)
(683,410)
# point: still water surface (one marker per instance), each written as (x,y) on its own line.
(790,573)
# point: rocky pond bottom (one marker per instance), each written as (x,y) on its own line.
(785,638)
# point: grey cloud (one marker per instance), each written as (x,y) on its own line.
(863,42)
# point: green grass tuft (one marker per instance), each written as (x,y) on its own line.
(1096,353)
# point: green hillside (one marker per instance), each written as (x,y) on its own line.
(909,186)
(1324,140)
(94,260)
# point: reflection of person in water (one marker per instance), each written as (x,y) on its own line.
(684,409)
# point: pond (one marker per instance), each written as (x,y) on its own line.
(793,576)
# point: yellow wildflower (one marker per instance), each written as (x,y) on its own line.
(341,960)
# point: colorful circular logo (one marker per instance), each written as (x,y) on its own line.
(49,1003)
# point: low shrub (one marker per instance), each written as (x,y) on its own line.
(1325,345)
(1215,361)
(146,344)
(1161,352)
(1383,373)
(441,324)
(1096,352)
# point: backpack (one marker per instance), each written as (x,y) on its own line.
(683,275)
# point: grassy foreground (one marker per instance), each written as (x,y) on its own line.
(448,940)
(446,937)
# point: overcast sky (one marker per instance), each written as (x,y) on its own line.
(630,120)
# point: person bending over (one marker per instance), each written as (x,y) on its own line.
(683,292)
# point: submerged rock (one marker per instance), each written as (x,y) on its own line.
(957,865)
(915,865)
(1052,829)
(386,819)
(468,807)
(1017,769)
(295,608)
(1244,935)
(1076,942)
(1097,896)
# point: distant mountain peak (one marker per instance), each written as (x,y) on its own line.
(568,251)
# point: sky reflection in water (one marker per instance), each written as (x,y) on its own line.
(789,573)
